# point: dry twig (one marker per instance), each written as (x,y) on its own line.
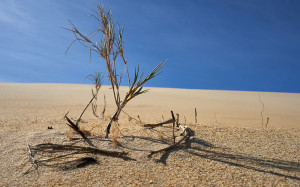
(58,155)
(129,117)
(261,113)
(51,148)
(196,121)
(173,129)
(75,127)
(94,109)
(159,124)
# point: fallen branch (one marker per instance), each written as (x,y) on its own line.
(159,124)
(65,156)
(51,148)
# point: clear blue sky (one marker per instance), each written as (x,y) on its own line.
(210,44)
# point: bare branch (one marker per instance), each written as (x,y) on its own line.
(158,124)
(75,127)
(94,109)
(196,121)
(173,132)
(129,117)
(261,113)
(78,120)
(49,147)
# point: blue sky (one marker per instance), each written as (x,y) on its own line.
(210,44)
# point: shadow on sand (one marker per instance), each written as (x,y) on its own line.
(206,150)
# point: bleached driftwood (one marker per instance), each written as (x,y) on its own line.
(184,128)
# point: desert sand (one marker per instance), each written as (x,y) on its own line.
(232,142)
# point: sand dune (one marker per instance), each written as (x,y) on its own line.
(229,146)
(229,108)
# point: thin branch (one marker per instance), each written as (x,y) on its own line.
(266,125)
(75,127)
(196,121)
(50,147)
(113,118)
(119,129)
(173,132)
(159,124)
(129,117)
(261,113)
(94,109)
(77,121)
(177,120)
(104,108)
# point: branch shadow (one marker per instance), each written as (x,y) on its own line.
(164,142)
(206,150)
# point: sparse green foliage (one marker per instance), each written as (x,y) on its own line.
(110,48)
